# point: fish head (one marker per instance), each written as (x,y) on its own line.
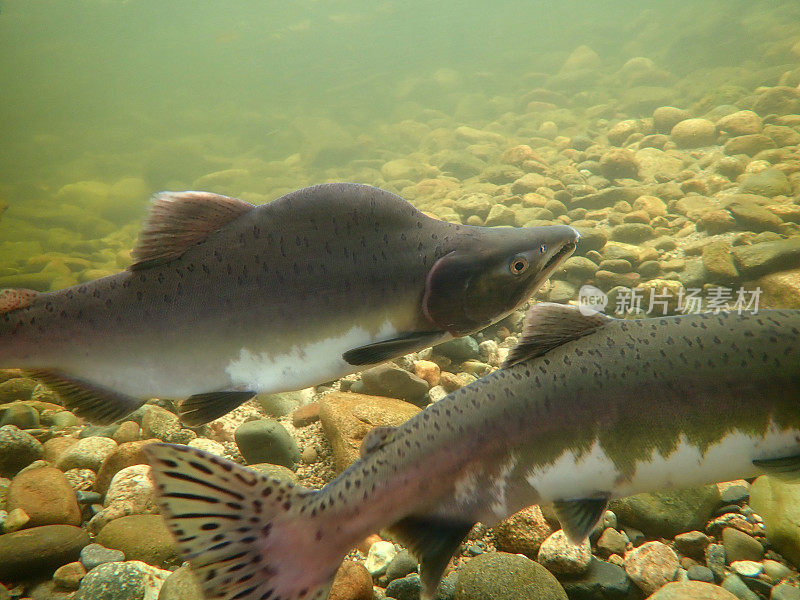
(491,273)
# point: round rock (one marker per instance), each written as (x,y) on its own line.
(509,576)
(46,496)
(694,133)
(131,493)
(692,590)
(352,582)
(379,556)
(267,441)
(17,450)
(140,537)
(559,556)
(651,566)
(181,585)
(459,349)
(523,532)
(740,546)
(95,554)
(88,453)
(132,580)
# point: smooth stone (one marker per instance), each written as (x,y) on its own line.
(700,573)
(378,558)
(561,557)
(405,588)
(140,537)
(501,215)
(694,133)
(668,513)
(46,496)
(769,183)
(267,441)
(778,503)
(181,584)
(692,543)
(579,268)
(128,431)
(738,588)
(347,417)
(740,546)
(126,454)
(747,568)
(394,382)
(785,591)
(752,216)
(691,590)
(523,532)
(15,520)
(718,261)
(496,575)
(459,349)
(651,566)
(207,445)
(17,388)
(158,422)
(611,542)
(619,163)
(95,554)
(68,577)
(715,560)
(775,570)
(21,415)
(743,122)
(352,582)
(130,580)
(278,405)
(39,550)
(592,238)
(88,453)
(632,233)
(131,492)
(602,581)
(401,565)
(666,117)
(766,257)
(17,450)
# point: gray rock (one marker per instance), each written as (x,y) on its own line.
(579,268)
(740,546)
(409,588)
(21,415)
(602,581)
(632,233)
(752,216)
(181,585)
(508,576)
(95,554)
(668,513)
(592,238)
(715,560)
(88,453)
(700,573)
(734,584)
(459,349)
(401,565)
(785,591)
(561,557)
(692,543)
(17,388)
(17,450)
(611,542)
(747,568)
(691,590)
(390,380)
(39,550)
(132,580)
(159,423)
(775,570)
(651,565)
(735,492)
(562,292)
(265,440)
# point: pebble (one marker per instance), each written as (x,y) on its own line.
(740,546)
(401,565)
(394,382)
(459,349)
(17,450)
(88,453)
(775,570)
(651,565)
(692,543)
(559,556)
(738,588)
(691,590)
(523,532)
(207,445)
(378,558)
(128,431)
(15,520)
(158,422)
(700,573)
(427,370)
(747,568)
(611,542)
(666,117)
(602,581)
(81,479)
(95,554)
(130,580)
(21,415)
(181,584)
(68,577)
(785,591)
(267,441)
(694,133)
(742,122)
(131,492)
(125,455)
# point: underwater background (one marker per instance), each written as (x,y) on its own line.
(667,133)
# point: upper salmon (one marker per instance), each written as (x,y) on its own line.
(226,299)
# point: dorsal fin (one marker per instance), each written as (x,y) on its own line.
(178,220)
(548,325)
(12,299)
(376,438)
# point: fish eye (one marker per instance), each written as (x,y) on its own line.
(518,265)
(543,248)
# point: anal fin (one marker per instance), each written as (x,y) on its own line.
(94,403)
(785,467)
(392,348)
(579,517)
(433,541)
(201,408)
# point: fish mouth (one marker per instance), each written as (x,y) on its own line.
(554,262)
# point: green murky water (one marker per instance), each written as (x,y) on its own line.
(105,103)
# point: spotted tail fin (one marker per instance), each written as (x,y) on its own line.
(246,535)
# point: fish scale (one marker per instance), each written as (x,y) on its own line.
(225,299)
(587,408)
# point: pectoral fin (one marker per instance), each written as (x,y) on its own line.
(786,467)
(579,517)
(96,404)
(392,348)
(433,541)
(201,408)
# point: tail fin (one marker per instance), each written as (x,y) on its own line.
(246,535)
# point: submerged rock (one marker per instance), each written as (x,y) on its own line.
(39,550)
(508,576)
